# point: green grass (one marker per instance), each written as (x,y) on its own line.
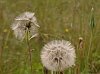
(54,17)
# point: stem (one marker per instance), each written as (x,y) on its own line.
(58,72)
(89,51)
(29,50)
(90,44)
(52,72)
(45,71)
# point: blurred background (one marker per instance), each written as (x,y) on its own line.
(58,19)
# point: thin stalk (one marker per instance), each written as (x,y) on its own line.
(29,50)
(90,45)
(92,25)
(52,72)
(45,71)
(58,72)
(89,52)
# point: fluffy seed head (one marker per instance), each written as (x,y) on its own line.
(58,55)
(25,21)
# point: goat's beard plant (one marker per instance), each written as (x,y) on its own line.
(25,26)
(58,55)
(25,22)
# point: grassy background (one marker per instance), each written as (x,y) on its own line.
(59,19)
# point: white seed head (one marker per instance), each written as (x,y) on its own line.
(58,55)
(25,21)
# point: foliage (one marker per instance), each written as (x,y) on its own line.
(58,19)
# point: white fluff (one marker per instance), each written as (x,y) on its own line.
(20,24)
(58,55)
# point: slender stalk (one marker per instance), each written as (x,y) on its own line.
(58,72)
(89,52)
(29,50)
(90,44)
(45,71)
(52,72)
(92,25)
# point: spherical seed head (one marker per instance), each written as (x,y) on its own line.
(25,21)
(58,55)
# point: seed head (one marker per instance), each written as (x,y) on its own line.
(24,22)
(58,55)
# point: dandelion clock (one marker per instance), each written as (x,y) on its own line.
(58,55)
(25,22)
(26,26)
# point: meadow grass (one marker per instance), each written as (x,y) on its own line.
(58,19)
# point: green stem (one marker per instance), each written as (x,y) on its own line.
(89,50)
(90,44)
(29,50)
(52,72)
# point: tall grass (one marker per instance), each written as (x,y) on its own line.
(59,19)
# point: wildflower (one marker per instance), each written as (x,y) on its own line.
(58,55)
(66,30)
(24,22)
